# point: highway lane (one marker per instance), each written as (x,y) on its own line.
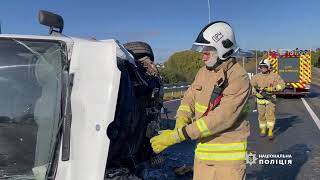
(314,97)
(296,134)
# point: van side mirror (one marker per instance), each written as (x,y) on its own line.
(54,21)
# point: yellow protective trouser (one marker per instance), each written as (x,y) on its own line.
(204,171)
(266,115)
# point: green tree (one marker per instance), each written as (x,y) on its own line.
(181,67)
(314,57)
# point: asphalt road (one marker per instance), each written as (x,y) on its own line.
(296,134)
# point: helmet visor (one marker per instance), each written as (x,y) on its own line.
(239,53)
(263,65)
(202,48)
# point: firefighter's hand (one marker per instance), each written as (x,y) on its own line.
(279,87)
(181,122)
(259,96)
(165,139)
(269,89)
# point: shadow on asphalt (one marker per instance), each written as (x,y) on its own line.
(313,95)
(299,153)
(174,157)
(283,124)
(167,123)
(290,96)
(314,91)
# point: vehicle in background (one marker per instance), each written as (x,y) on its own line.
(294,66)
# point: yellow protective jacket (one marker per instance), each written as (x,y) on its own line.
(222,134)
(262,81)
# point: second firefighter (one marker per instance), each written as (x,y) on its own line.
(264,85)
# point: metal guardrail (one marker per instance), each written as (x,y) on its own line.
(175,85)
(175,88)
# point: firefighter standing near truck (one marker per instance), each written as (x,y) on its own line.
(264,85)
(213,109)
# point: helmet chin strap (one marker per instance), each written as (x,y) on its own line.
(218,63)
(268,71)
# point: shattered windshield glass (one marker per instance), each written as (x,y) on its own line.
(30,106)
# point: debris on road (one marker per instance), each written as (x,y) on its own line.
(120,174)
(183,170)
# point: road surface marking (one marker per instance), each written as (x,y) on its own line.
(312,114)
(172,100)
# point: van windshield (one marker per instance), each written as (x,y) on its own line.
(30,106)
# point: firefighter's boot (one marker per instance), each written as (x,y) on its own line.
(270,134)
(263,132)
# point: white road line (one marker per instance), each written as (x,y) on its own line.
(172,100)
(312,114)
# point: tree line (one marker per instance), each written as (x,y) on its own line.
(183,66)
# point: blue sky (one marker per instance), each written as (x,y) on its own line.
(172,25)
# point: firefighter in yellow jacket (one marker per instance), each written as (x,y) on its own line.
(264,84)
(213,109)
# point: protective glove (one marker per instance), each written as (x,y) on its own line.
(279,87)
(269,89)
(259,96)
(181,122)
(165,139)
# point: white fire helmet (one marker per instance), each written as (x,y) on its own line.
(218,35)
(265,62)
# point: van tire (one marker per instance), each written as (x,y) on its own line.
(139,50)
